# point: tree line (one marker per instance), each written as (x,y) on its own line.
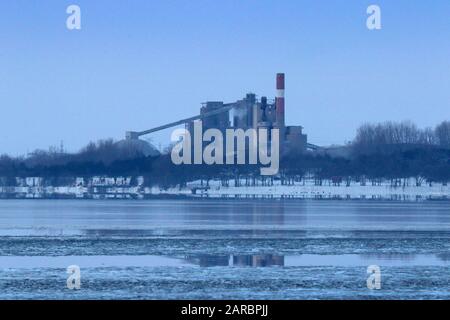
(391,136)
(379,151)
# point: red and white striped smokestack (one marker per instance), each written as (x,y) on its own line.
(279,100)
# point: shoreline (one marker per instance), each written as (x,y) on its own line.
(133,188)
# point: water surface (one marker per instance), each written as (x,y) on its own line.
(221,249)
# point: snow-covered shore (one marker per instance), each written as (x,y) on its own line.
(134,188)
(311,191)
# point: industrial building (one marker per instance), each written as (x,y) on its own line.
(253,113)
(248,113)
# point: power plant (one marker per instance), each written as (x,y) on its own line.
(248,113)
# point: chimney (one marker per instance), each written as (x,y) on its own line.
(279,101)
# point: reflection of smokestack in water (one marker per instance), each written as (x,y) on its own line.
(279,100)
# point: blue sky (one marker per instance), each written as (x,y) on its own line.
(138,64)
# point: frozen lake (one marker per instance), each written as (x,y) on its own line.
(219,249)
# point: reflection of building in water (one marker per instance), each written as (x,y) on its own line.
(256,216)
(259,260)
(264,213)
(443,256)
(207,260)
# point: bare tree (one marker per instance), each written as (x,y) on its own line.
(442,133)
(391,136)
